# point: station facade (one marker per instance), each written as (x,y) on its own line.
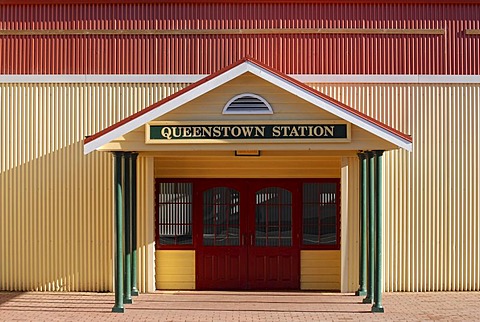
(240,145)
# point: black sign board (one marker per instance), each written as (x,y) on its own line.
(249,132)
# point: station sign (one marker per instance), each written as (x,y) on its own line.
(324,131)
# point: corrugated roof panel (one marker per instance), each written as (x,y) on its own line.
(400,38)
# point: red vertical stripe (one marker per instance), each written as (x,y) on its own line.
(454,53)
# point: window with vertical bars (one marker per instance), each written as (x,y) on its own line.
(221,217)
(175,213)
(320,214)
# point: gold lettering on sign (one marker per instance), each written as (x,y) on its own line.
(216,132)
(187,132)
(276,131)
(207,131)
(259,131)
(167,133)
(329,130)
(236,131)
(249,131)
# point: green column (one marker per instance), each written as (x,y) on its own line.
(128,232)
(370,231)
(133,161)
(362,276)
(118,307)
(377,305)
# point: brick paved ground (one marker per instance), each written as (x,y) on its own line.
(238,306)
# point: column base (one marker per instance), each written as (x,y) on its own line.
(127,300)
(367,300)
(117,309)
(361,293)
(377,309)
(134,291)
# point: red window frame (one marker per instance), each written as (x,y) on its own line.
(335,246)
(197,212)
(158,246)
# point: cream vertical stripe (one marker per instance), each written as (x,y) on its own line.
(432,194)
(55,203)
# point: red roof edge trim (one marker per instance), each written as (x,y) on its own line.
(333,101)
(163,101)
(432,2)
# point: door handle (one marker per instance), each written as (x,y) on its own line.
(251,240)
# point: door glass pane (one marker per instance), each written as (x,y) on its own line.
(221,217)
(320,203)
(273,217)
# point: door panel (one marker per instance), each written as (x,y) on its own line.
(222,271)
(273,259)
(247,236)
(220,257)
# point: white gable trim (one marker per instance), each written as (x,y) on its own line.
(192,78)
(231,74)
(330,107)
(165,108)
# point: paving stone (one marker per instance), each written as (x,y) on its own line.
(238,306)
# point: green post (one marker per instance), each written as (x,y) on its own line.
(377,306)
(128,231)
(118,307)
(362,276)
(134,223)
(370,233)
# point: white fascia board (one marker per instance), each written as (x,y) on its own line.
(383,79)
(188,79)
(165,108)
(144,78)
(331,108)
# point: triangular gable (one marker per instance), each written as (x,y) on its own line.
(264,72)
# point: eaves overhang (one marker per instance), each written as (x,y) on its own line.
(247,65)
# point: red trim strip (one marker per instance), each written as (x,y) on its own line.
(265,67)
(432,2)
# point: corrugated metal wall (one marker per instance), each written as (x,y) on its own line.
(145,226)
(438,44)
(432,195)
(56,209)
(55,203)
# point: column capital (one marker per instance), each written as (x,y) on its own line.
(378,153)
(361,155)
(368,154)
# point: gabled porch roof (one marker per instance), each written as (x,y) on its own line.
(247,65)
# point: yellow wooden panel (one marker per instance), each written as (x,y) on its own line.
(175,269)
(267,166)
(174,278)
(176,285)
(314,255)
(325,286)
(320,270)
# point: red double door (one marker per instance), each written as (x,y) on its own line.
(249,234)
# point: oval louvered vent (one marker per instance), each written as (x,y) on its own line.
(247,104)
